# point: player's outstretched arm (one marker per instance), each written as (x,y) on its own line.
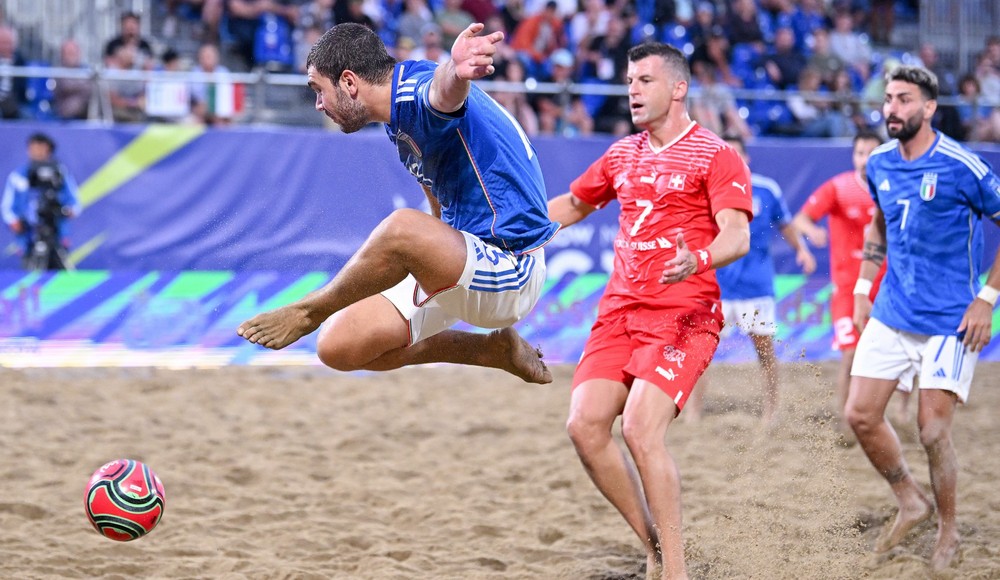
(803,257)
(567,209)
(471,59)
(871,263)
(977,323)
(731,244)
(814,233)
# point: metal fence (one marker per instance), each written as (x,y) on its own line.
(959,28)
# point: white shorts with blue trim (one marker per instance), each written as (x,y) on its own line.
(496,290)
(941,361)
(754,316)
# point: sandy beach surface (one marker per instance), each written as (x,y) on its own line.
(451,472)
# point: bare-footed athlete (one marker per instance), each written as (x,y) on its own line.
(479,258)
(931,318)
(685,208)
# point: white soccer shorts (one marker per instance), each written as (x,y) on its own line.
(496,290)
(940,361)
(754,316)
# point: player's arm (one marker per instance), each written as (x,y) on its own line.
(871,263)
(433,202)
(977,322)
(803,257)
(810,229)
(471,58)
(731,244)
(567,209)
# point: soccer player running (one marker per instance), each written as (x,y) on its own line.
(931,317)
(845,199)
(685,207)
(479,258)
(747,286)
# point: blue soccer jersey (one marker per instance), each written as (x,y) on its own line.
(477,162)
(933,210)
(752,276)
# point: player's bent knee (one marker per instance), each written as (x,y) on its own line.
(587,436)
(933,435)
(641,442)
(860,421)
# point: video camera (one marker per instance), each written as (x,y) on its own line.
(46,251)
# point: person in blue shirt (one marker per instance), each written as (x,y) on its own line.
(747,285)
(931,316)
(478,258)
(37,200)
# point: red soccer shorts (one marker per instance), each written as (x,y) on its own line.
(845,335)
(669,348)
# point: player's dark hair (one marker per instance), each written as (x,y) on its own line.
(674,58)
(916,75)
(867,135)
(354,47)
(43,139)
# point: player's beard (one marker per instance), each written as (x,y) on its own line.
(910,127)
(350,115)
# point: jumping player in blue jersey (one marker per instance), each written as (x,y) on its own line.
(747,285)
(931,317)
(478,258)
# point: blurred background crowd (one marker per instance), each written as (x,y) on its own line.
(810,68)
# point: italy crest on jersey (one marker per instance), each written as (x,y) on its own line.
(928,186)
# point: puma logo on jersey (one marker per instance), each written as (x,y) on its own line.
(668,374)
(650,179)
(740,186)
(884,186)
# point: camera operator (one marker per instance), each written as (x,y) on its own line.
(37,200)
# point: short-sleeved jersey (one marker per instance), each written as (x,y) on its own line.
(477,162)
(847,202)
(663,192)
(933,208)
(752,276)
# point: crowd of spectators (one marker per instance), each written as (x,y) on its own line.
(821,61)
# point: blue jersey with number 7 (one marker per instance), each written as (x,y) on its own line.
(477,161)
(933,208)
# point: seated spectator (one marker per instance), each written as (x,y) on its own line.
(588,24)
(783,63)
(245,18)
(978,119)
(354,13)
(415,17)
(516,102)
(714,106)
(814,117)
(701,26)
(168,99)
(315,13)
(431,48)
(538,36)
(512,12)
(12,88)
(72,96)
(988,77)
(127,97)
(452,20)
(848,45)
(130,34)
(307,38)
(403,50)
(562,114)
(822,57)
(716,52)
(606,58)
(947,82)
(481,10)
(808,20)
(881,21)
(213,98)
(743,25)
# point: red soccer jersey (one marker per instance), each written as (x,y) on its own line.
(846,200)
(678,188)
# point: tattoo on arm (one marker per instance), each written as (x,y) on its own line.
(874,253)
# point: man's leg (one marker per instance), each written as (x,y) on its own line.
(372,335)
(648,412)
(593,409)
(842,388)
(934,416)
(865,412)
(407,242)
(769,363)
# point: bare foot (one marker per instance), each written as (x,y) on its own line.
(945,551)
(654,568)
(908,517)
(278,328)
(523,360)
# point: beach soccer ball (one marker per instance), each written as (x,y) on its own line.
(124,500)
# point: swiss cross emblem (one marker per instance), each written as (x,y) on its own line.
(677,181)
